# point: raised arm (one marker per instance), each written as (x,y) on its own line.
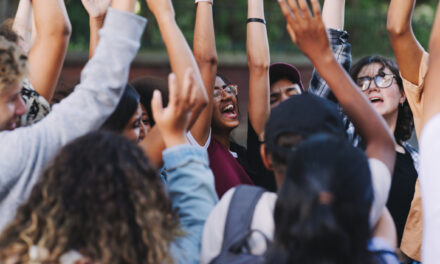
(181,59)
(257,49)
(333,13)
(431,105)
(309,34)
(96,10)
(205,53)
(47,54)
(23,24)
(179,52)
(406,48)
(190,181)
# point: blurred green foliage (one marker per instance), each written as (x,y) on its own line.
(365,20)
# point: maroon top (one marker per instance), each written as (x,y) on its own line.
(228,173)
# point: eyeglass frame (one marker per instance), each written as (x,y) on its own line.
(374,79)
(233,91)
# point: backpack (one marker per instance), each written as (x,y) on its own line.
(235,248)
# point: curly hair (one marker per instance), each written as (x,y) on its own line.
(13,61)
(100,197)
(405,121)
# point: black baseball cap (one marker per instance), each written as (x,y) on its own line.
(281,70)
(305,115)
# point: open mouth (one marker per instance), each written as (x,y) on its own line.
(375,100)
(229,111)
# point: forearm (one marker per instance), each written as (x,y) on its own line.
(205,53)
(407,50)
(258,55)
(333,14)
(179,52)
(372,128)
(23,24)
(190,185)
(96,24)
(47,54)
(431,105)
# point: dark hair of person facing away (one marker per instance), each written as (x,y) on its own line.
(322,211)
(405,121)
(124,111)
(100,197)
(145,87)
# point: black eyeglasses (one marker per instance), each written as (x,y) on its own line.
(381,81)
(231,89)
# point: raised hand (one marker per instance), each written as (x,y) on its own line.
(306,31)
(96,8)
(161,8)
(173,121)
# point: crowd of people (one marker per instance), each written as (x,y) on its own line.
(147,172)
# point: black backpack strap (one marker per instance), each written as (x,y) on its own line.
(240,213)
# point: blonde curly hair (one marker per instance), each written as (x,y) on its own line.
(13,63)
(100,197)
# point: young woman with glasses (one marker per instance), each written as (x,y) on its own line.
(379,79)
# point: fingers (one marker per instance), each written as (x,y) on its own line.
(285,9)
(295,10)
(188,82)
(291,33)
(192,89)
(173,88)
(316,9)
(156,105)
(305,9)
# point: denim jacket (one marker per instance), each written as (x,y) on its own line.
(190,185)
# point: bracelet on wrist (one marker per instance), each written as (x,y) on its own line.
(253,19)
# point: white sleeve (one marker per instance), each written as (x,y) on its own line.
(430,186)
(381,181)
(25,151)
(212,238)
(194,142)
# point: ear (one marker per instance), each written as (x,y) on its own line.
(267,161)
(402,97)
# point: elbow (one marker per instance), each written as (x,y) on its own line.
(207,59)
(258,65)
(397,29)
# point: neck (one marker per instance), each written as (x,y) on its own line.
(222,138)
(391,120)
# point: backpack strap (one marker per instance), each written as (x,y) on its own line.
(240,213)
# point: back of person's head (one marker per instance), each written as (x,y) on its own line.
(145,87)
(101,198)
(296,119)
(13,61)
(322,211)
(124,111)
(405,121)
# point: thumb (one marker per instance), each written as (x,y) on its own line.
(156,105)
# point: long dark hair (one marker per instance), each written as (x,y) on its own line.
(100,197)
(145,86)
(405,121)
(124,111)
(322,211)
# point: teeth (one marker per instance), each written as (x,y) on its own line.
(228,108)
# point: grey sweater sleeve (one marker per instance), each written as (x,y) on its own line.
(25,152)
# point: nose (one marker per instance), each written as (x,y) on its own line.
(225,95)
(142,131)
(284,96)
(20,107)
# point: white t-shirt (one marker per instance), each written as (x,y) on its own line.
(262,220)
(430,186)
